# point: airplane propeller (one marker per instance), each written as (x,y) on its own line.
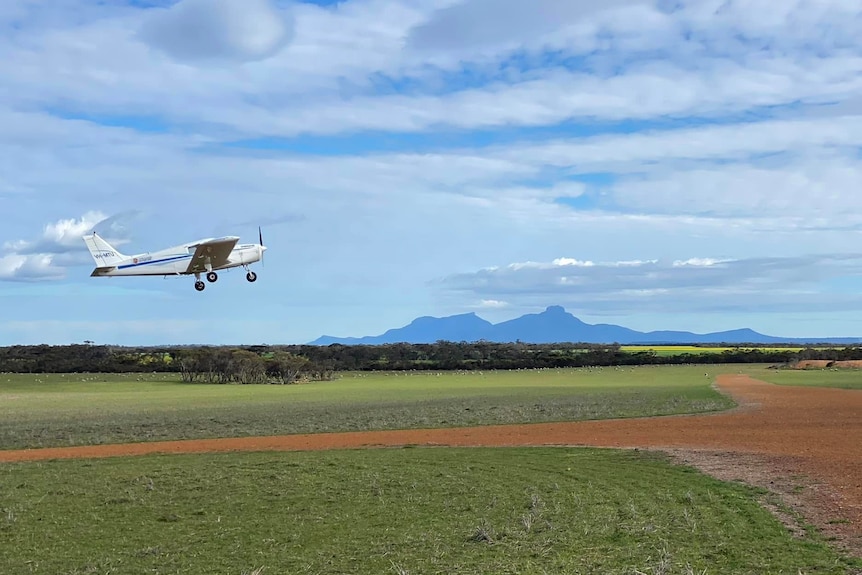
(260,241)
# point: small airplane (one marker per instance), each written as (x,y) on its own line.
(201,256)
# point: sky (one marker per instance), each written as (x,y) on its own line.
(659,164)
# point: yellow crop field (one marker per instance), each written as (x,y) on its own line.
(695,349)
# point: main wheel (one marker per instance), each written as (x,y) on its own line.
(251,276)
(199,285)
(212,276)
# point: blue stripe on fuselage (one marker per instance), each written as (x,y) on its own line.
(161,261)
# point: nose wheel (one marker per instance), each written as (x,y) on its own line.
(251,276)
(199,285)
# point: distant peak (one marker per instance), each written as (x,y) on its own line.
(555,309)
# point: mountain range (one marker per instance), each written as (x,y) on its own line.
(554,325)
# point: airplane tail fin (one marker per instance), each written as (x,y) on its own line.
(103,252)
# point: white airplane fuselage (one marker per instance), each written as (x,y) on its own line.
(175,260)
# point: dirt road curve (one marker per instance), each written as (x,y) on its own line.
(805,443)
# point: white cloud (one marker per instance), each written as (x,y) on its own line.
(712,143)
(59,246)
(698,284)
(663,178)
(792,23)
(241,30)
(60,236)
(571,262)
(699,262)
(64,232)
(31,267)
(646,92)
(815,170)
(815,188)
(501,24)
(333,50)
(493,304)
(687,29)
(329,70)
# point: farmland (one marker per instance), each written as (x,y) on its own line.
(673,350)
(411,510)
(512,510)
(42,410)
(841,378)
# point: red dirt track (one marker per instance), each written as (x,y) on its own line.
(804,443)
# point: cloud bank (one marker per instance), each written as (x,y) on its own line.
(679,286)
(59,246)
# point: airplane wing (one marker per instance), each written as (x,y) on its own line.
(217,251)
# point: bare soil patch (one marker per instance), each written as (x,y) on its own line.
(802,444)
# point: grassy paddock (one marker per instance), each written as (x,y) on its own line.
(397,511)
(66,409)
(840,378)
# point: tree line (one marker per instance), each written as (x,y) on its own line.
(207,364)
(292,363)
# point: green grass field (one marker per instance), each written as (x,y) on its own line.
(839,378)
(392,511)
(58,410)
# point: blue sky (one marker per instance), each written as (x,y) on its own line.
(690,164)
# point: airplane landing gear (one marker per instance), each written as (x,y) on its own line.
(212,276)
